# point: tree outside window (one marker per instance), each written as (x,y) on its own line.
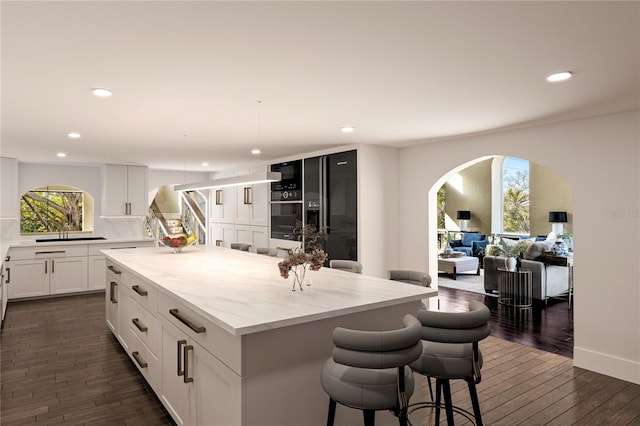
(51,211)
(515,190)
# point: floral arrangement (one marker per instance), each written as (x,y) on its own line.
(512,250)
(310,257)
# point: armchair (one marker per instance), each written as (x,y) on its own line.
(465,244)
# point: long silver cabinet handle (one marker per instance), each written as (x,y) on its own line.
(111,291)
(139,325)
(187,379)
(114,270)
(53,266)
(185,321)
(8,276)
(139,360)
(51,252)
(46,263)
(180,370)
(138,290)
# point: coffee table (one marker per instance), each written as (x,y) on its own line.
(455,265)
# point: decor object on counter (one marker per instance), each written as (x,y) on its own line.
(298,261)
(310,254)
(178,242)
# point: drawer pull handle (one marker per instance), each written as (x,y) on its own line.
(139,325)
(51,252)
(187,379)
(114,270)
(139,360)
(112,286)
(8,276)
(139,291)
(185,321)
(180,370)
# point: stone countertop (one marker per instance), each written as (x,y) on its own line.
(7,245)
(244,293)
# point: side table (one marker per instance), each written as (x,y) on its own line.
(515,288)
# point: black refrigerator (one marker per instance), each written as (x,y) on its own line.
(331,202)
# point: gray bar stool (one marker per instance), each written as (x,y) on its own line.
(346,265)
(368,370)
(240,246)
(410,277)
(450,351)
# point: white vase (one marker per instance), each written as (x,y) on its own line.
(510,263)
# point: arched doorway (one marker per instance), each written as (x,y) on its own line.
(478,187)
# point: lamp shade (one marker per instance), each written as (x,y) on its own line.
(557,217)
(463,214)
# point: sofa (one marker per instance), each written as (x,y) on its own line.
(470,244)
(547,280)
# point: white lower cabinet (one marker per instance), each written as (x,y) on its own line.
(197,389)
(111,297)
(41,277)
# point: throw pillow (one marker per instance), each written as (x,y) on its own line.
(534,251)
(509,242)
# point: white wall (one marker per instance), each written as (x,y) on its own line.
(600,158)
(378,210)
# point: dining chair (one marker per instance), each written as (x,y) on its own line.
(346,265)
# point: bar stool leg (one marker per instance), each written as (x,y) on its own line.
(332,412)
(369,417)
(474,401)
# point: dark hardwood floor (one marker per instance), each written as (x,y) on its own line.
(549,328)
(61,365)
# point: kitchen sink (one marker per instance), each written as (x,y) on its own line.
(55,240)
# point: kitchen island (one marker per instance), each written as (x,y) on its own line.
(222,339)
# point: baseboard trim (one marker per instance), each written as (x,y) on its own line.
(620,368)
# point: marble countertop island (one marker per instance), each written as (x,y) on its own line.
(244,293)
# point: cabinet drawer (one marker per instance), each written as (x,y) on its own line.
(114,272)
(145,361)
(46,252)
(140,290)
(144,325)
(220,343)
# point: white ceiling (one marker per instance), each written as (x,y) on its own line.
(400,72)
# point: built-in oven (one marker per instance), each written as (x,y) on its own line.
(289,188)
(285,218)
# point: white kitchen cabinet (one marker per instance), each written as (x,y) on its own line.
(255,236)
(68,275)
(223,234)
(9,203)
(125,190)
(96,262)
(111,296)
(27,278)
(252,207)
(197,389)
(40,272)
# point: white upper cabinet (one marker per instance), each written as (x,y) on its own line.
(125,190)
(9,206)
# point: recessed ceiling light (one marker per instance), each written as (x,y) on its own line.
(255,151)
(73,135)
(559,76)
(204,164)
(102,92)
(347,129)
(61,154)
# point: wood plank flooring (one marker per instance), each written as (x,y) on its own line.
(548,327)
(61,365)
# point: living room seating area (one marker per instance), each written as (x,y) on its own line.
(470,244)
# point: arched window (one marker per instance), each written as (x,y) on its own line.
(56,208)
(515,196)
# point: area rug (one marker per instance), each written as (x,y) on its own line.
(467,282)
